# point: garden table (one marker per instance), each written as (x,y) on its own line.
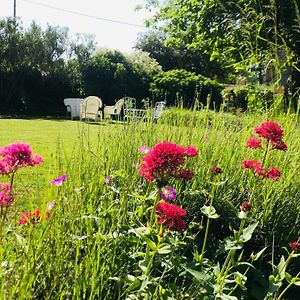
(73,106)
(134,113)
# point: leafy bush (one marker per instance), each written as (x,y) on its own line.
(187,87)
(252,98)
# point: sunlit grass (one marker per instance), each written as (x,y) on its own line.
(84,250)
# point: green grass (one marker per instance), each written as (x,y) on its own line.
(85,246)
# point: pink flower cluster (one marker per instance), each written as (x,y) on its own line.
(245,206)
(166,160)
(295,246)
(272,132)
(256,167)
(16,156)
(171,215)
(6,198)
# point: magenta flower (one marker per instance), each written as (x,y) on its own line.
(273,173)
(216,170)
(168,192)
(165,160)
(270,130)
(295,246)
(171,215)
(59,181)
(245,206)
(254,143)
(16,156)
(281,145)
(254,165)
(6,197)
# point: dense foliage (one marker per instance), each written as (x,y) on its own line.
(39,68)
(248,38)
(181,87)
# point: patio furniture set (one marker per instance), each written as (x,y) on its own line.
(91,108)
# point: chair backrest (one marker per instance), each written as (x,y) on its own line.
(119,106)
(129,102)
(89,108)
(159,109)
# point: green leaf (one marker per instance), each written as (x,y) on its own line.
(21,242)
(226,297)
(288,277)
(279,271)
(258,254)
(274,287)
(133,286)
(164,249)
(210,212)
(143,264)
(297,283)
(198,275)
(247,233)
(232,244)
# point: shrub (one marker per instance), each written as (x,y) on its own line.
(186,86)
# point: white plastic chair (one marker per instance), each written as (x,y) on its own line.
(114,111)
(158,110)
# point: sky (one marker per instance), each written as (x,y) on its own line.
(109,34)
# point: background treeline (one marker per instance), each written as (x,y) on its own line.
(233,54)
(39,68)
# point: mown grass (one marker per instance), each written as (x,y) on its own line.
(85,250)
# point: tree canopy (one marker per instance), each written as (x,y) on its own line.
(244,36)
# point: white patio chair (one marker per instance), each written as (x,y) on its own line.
(89,109)
(158,110)
(114,111)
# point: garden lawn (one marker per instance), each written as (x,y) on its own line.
(85,250)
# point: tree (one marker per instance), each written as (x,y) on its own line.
(172,57)
(111,75)
(27,53)
(245,37)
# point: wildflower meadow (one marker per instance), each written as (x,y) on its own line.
(203,207)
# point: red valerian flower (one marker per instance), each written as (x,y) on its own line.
(270,130)
(254,165)
(171,215)
(254,143)
(272,173)
(6,197)
(186,174)
(295,246)
(216,170)
(191,151)
(280,145)
(32,217)
(17,155)
(245,206)
(166,160)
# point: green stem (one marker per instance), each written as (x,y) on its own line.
(207,226)
(265,155)
(288,286)
(230,255)
(149,256)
